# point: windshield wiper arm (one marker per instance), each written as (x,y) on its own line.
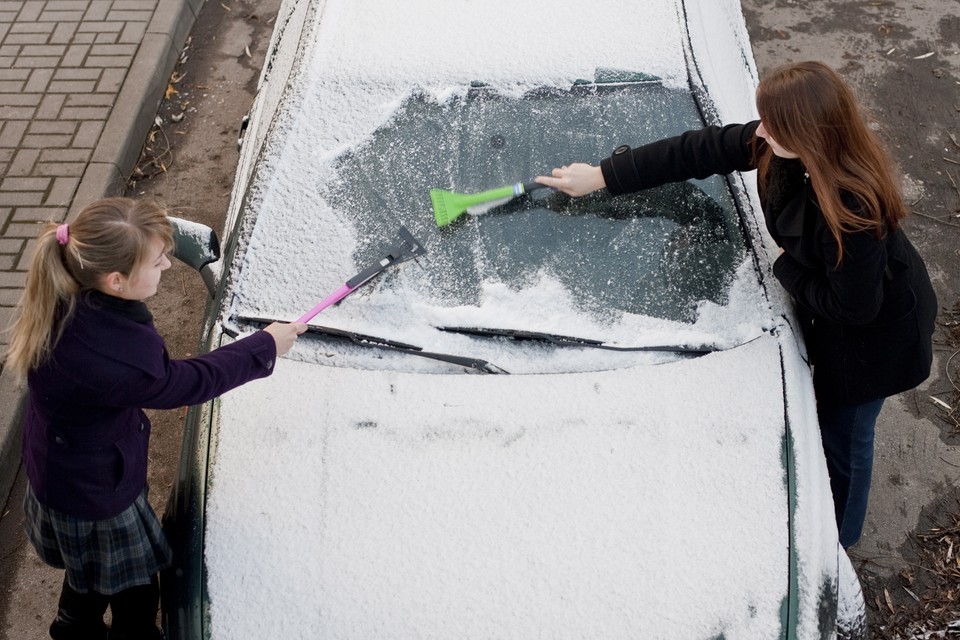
(376,342)
(570,341)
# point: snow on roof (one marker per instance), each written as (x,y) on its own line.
(536,42)
(366,55)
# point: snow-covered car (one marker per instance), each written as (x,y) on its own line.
(562,418)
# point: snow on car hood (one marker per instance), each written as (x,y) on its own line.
(646,502)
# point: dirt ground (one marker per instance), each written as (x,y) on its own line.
(188,163)
(902,58)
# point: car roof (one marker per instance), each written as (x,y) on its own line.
(497,41)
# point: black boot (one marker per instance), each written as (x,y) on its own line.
(135,613)
(80,615)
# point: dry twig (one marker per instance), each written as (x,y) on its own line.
(934,607)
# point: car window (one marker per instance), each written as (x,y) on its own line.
(666,266)
(658,253)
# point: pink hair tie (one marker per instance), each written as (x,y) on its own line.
(63,234)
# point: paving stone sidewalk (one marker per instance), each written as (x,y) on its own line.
(80,83)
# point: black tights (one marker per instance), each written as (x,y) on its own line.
(134,610)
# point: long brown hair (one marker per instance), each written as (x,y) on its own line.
(109,235)
(810,110)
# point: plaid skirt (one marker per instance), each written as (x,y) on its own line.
(106,556)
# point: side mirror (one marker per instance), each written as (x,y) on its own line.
(196,245)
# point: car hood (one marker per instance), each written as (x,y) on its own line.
(642,502)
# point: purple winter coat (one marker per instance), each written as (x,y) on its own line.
(85,436)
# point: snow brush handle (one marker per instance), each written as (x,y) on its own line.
(330,300)
(527,187)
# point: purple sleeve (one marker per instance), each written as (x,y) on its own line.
(199,379)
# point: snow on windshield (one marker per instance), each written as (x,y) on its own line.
(368,54)
(306,243)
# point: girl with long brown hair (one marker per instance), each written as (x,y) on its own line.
(84,341)
(832,203)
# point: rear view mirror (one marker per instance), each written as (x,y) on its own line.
(196,245)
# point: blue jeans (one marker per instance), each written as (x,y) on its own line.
(847,434)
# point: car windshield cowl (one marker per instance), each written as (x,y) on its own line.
(571,341)
(376,342)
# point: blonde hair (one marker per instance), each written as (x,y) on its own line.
(810,110)
(109,235)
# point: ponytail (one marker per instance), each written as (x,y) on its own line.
(110,235)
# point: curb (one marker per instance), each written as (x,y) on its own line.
(113,159)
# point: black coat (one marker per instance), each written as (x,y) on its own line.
(868,322)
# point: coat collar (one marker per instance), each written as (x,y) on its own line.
(131,309)
(790,221)
(119,329)
(788,194)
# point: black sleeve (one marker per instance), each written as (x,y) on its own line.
(694,154)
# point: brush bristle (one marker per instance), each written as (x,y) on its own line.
(440,212)
(448,206)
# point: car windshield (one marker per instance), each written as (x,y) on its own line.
(598,267)
(657,253)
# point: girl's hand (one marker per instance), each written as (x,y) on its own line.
(284,335)
(577,179)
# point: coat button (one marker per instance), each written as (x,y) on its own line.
(622,149)
(60,441)
(141,426)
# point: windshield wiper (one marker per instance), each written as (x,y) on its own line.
(570,341)
(376,342)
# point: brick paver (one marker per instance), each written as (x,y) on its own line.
(80,82)
(62,67)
